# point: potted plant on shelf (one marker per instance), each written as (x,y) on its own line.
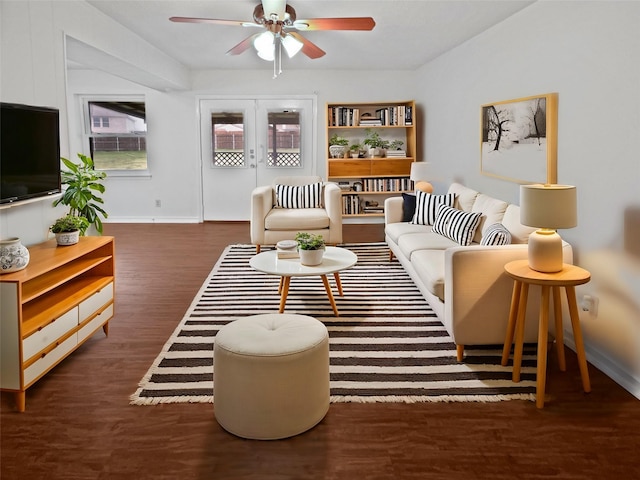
(69,228)
(84,185)
(375,143)
(396,145)
(311,248)
(337,146)
(355,149)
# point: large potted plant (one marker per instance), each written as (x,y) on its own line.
(84,185)
(311,248)
(69,228)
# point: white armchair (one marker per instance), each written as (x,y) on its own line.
(270,223)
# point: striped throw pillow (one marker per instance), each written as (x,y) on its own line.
(299,196)
(427,206)
(496,234)
(457,225)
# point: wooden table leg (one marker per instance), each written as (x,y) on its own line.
(336,276)
(543,333)
(284,292)
(577,337)
(522,313)
(557,313)
(511,326)
(327,287)
(21,401)
(280,283)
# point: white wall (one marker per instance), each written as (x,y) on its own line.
(588,52)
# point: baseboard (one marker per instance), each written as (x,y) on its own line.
(608,366)
(113,219)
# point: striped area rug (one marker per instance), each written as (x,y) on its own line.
(386,346)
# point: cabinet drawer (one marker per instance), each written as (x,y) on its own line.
(95,302)
(349,168)
(49,334)
(94,324)
(391,167)
(36,369)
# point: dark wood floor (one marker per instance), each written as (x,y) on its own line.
(79,425)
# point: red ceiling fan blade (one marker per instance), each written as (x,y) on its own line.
(215,21)
(310,49)
(243,45)
(350,23)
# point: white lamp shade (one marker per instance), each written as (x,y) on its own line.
(291,45)
(264,45)
(548,206)
(419,171)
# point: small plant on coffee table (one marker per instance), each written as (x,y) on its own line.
(308,241)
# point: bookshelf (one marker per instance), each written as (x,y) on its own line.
(367,180)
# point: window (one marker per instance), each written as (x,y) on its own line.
(117,133)
(284,139)
(228,139)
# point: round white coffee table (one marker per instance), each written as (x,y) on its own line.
(334,260)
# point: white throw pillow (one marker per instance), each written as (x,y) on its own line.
(496,234)
(455,224)
(427,206)
(299,196)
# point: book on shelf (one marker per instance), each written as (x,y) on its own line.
(396,153)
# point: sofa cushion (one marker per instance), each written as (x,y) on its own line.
(465,197)
(496,234)
(408,206)
(412,242)
(299,196)
(511,220)
(297,219)
(395,230)
(455,224)
(492,211)
(429,266)
(427,205)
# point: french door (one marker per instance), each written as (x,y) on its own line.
(248,142)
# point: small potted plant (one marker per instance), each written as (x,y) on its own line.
(355,149)
(374,141)
(396,145)
(68,229)
(311,248)
(337,146)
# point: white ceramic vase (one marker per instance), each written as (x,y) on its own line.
(337,151)
(13,255)
(311,258)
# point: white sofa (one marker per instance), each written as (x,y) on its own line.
(466,285)
(270,223)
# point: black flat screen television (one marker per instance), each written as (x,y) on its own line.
(29,152)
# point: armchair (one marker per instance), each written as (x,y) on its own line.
(271,223)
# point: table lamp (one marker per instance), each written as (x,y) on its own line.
(419,174)
(547,207)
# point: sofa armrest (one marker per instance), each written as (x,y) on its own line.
(261,205)
(478,293)
(393,210)
(333,206)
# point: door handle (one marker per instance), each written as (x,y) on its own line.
(252,165)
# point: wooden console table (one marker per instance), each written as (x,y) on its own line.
(523,276)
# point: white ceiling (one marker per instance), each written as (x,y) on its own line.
(408,33)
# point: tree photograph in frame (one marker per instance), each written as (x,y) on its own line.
(519,139)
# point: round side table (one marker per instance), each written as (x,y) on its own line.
(523,276)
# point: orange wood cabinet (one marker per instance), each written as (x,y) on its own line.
(63,296)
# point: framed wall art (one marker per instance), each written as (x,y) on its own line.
(519,139)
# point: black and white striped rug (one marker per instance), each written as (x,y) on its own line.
(387,345)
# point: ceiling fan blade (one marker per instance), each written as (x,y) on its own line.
(216,21)
(310,49)
(243,45)
(347,23)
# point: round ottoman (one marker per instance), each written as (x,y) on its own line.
(271,375)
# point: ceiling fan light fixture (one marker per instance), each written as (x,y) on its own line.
(264,45)
(291,45)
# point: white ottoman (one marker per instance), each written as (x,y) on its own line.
(271,375)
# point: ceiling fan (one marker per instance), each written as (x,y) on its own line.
(280,29)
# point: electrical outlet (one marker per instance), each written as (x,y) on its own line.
(590,304)
(158,203)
